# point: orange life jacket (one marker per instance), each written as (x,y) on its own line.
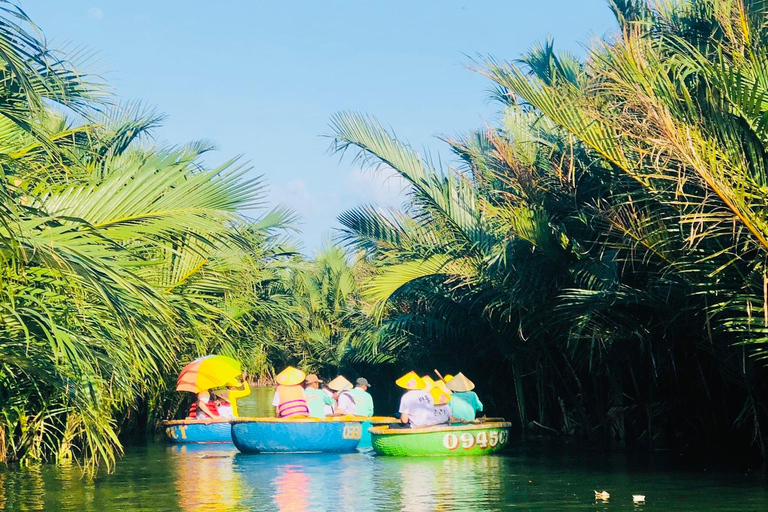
(291,401)
(211,407)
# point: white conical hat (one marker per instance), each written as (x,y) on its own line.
(460,383)
(340,383)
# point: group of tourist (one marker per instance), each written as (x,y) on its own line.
(429,402)
(426,401)
(220,403)
(298,394)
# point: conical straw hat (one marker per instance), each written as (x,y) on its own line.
(428,381)
(290,376)
(411,381)
(440,393)
(461,383)
(340,383)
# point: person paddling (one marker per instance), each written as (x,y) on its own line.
(289,397)
(363,399)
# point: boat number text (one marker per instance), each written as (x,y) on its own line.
(177,432)
(352,432)
(468,440)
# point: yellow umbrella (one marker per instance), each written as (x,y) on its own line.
(208,372)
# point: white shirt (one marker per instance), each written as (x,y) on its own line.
(420,408)
(442,414)
(346,403)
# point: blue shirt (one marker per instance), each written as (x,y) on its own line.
(470,397)
(461,409)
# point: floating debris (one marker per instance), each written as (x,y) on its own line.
(602,495)
(638,498)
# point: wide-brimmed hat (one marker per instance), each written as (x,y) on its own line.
(429,381)
(461,383)
(362,381)
(411,381)
(340,383)
(311,379)
(440,393)
(290,376)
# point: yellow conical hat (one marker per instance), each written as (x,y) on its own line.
(290,376)
(461,383)
(340,383)
(428,381)
(440,393)
(411,381)
(448,378)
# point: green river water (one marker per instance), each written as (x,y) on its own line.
(216,478)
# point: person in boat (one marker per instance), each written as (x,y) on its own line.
(317,399)
(417,407)
(227,397)
(204,408)
(345,402)
(328,409)
(461,388)
(363,399)
(289,397)
(441,395)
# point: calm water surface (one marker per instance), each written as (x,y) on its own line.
(217,478)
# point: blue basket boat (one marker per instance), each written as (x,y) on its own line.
(198,431)
(279,435)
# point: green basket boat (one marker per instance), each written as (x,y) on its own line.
(457,439)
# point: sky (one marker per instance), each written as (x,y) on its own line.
(262,79)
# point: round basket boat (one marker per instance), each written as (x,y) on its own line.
(198,431)
(442,440)
(302,435)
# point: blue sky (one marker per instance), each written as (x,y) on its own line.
(262,78)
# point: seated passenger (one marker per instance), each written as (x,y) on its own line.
(363,399)
(317,399)
(417,408)
(345,402)
(441,396)
(203,408)
(462,389)
(289,395)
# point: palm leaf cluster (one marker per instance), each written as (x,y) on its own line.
(601,252)
(121,259)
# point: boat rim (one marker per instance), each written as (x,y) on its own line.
(456,427)
(195,421)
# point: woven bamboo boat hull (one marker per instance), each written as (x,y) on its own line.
(448,440)
(198,431)
(304,435)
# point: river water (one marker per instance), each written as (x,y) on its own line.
(160,477)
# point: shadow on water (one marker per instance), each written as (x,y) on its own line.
(197,478)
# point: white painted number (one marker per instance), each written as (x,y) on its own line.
(451,441)
(483,440)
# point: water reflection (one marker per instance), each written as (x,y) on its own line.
(205,479)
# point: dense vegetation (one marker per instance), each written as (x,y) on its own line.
(599,256)
(596,262)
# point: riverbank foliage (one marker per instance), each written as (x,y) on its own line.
(596,261)
(121,258)
(599,256)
